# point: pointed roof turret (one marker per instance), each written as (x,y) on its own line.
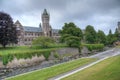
(17,22)
(45,12)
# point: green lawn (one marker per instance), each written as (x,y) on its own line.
(47,73)
(106,70)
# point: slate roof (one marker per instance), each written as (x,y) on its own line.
(37,29)
(32,29)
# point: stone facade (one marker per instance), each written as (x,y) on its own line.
(26,34)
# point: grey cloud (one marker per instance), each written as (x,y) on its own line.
(82,12)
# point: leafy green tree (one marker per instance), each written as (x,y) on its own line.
(73,41)
(116,34)
(71,29)
(8,33)
(90,34)
(62,38)
(101,37)
(43,42)
(71,35)
(110,38)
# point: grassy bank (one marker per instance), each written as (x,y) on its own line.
(47,73)
(24,52)
(106,70)
(23,49)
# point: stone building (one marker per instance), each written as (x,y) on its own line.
(26,34)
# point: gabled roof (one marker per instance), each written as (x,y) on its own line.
(32,29)
(17,22)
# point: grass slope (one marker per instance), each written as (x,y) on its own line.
(47,73)
(106,70)
(25,49)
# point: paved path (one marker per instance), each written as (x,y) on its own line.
(101,56)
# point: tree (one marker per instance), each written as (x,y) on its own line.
(8,33)
(44,42)
(101,37)
(71,35)
(72,30)
(116,34)
(73,41)
(90,34)
(110,38)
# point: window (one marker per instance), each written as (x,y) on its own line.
(25,39)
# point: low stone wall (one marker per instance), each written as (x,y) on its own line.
(68,51)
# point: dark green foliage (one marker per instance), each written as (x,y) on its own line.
(90,34)
(71,35)
(70,29)
(117,35)
(7,58)
(94,46)
(56,55)
(72,41)
(101,37)
(110,38)
(43,42)
(25,55)
(63,37)
(8,33)
(46,55)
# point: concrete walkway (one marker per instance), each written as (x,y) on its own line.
(101,56)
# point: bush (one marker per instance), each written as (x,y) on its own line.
(44,42)
(94,46)
(73,41)
(56,55)
(24,55)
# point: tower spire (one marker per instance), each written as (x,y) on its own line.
(45,12)
(45,23)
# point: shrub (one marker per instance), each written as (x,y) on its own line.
(94,46)
(73,41)
(24,55)
(56,55)
(44,42)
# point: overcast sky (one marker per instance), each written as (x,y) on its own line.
(102,14)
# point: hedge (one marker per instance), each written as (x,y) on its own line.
(92,47)
(25,55)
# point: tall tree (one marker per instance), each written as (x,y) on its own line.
(116,34)
(8,33)
(70,29)
(71,35)
(43,42)
(110,38)
(101,37)
(90,34)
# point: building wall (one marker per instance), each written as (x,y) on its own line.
(26,37)
(30,36)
